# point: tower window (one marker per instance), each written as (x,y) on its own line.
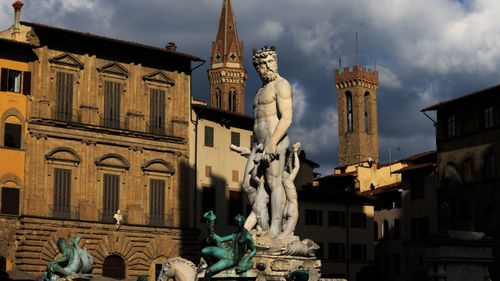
(451,124)
(218,98)
(367,110)
(349,112)
(488,117)
(235,138)
(489,166)
(232,100)
(209,136)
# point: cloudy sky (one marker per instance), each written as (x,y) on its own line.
(426,51)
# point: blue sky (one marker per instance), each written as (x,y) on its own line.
(425,51)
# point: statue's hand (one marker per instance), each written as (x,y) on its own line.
(271,153)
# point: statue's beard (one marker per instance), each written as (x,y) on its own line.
(268,75)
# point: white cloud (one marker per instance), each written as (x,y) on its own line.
(271,30)
(299,102)
(388,78)
(319,136)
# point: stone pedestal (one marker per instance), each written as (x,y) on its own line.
(458,256)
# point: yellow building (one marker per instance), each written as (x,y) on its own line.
(15,84)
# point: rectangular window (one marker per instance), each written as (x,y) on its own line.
(320,253)
(488,115)
(387,264)
(157,202)
(234,206)
(64,92)
(10,201)
(111,195)
(209,136)
(336,218)
(208,200)
(12,136)
(10,80)
(358,220)
(417,189)
(489,166)
(157,114)
(112,97)
(419,228)
(235,176)
(397,228)
(62,194)
(208,171)
(336,251)
(358,252)
(314,217)
(235,138)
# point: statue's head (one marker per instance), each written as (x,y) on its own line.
(61,244)
(239,220)
(265,61)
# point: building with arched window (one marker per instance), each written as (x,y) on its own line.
(87,132)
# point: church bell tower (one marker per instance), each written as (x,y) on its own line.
(226,75)
(357,115)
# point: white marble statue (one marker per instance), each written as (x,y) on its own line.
(266,162)
(118,219)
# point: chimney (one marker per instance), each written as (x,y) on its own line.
(17,18)
(171,47)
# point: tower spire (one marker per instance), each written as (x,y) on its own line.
(227,49)
(226,75)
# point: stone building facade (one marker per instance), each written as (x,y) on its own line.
(107,130)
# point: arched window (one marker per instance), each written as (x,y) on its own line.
(385,230)
(10,198)
(114,267)
(232,100)
(367,112)
(12,132)
(469,175)
(349,112)
(218,98)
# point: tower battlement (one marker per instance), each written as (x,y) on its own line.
(357,76)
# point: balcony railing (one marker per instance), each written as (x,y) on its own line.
(159,220)
(64,212)
(64,114)
(111,122)
(107,216)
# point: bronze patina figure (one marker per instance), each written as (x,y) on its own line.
(234,250)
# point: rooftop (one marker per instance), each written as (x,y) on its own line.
(491,89)
(48,28)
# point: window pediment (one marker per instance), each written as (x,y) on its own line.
(159,166)
(114,68)
(159,77)
(63,154)
(113,161)
(67,59)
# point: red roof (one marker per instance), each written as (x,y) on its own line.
(414,167)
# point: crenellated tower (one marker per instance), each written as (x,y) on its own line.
(357,115)
(227,75)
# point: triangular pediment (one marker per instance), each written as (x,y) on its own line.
(114,68)
(159,77)
(114,161)
(67,60)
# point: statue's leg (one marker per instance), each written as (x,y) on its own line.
(251,221)
(275,183)
(218,267)
(55,269)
